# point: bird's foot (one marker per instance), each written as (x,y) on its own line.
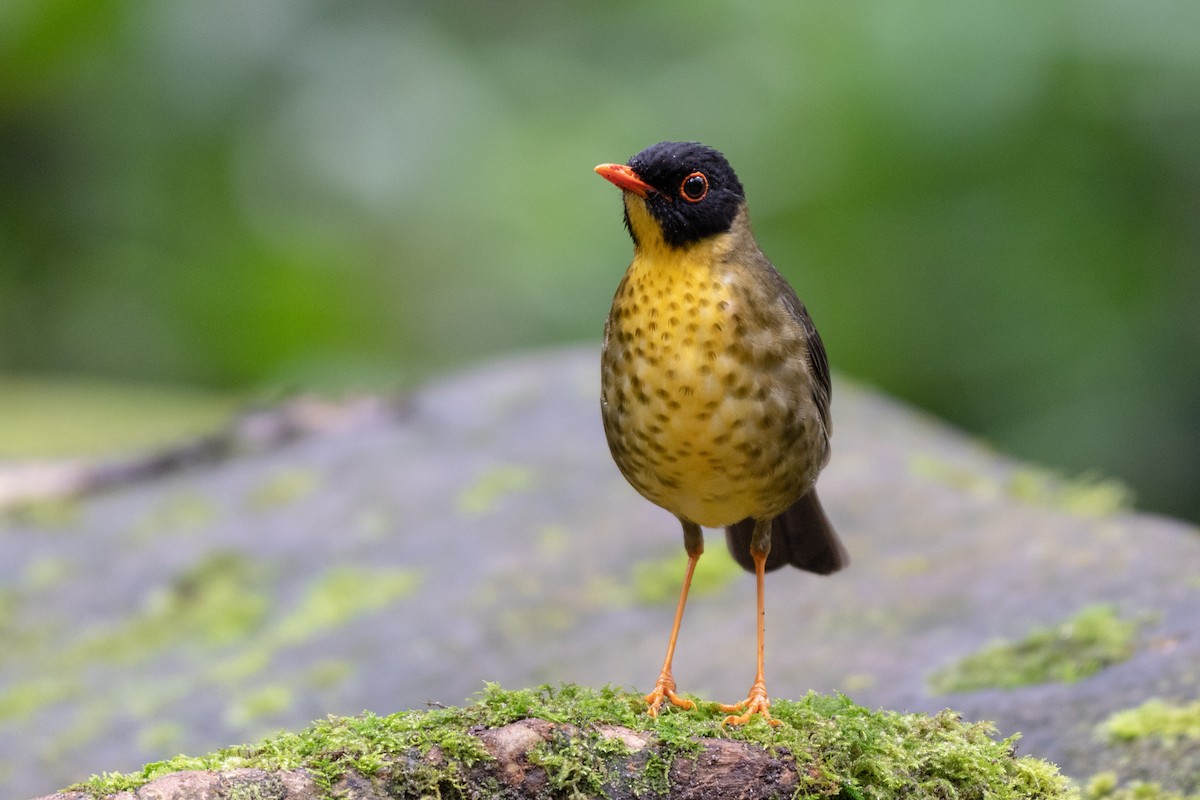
(755,703)
(664,689)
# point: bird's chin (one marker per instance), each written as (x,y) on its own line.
(643,227)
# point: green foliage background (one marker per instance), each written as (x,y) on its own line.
(991,209)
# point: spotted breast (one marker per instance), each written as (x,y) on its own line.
(706,383)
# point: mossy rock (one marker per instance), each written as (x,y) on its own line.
(573,742)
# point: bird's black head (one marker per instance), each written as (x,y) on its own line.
(688,192)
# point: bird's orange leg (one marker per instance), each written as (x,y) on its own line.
(756,701)
(664,687)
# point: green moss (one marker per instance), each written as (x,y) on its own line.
(1154,719)
(9,604)
(253,706)
(841,749)
(334,599)
(342,594)
(180,512)
(658,581)
(52,512)
(282,488)
(1105,787)
(163,736)
(1081,646)
(496,483)
(953,474)
(578,767)
(21,700)
(45,572)
(218,601)
(328,674)
(1086,495)
(216,616)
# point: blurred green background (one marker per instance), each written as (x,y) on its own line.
(991,209)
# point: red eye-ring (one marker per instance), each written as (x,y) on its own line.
(694,187)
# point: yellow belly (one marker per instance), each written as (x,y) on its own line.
(705,392)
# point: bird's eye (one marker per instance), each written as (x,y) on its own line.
(694,187)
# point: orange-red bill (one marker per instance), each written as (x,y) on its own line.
(623,177)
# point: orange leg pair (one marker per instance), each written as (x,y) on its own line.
(756,701)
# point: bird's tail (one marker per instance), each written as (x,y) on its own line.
(801,536)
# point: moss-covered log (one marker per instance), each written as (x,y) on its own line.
(573,742)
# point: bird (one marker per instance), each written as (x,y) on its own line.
(715,386)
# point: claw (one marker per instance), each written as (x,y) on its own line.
(664,689)
(755,703)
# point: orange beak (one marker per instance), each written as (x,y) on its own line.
(624,178)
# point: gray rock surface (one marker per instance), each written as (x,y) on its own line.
(482,533)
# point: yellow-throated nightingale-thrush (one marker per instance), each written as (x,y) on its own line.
(715,385)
